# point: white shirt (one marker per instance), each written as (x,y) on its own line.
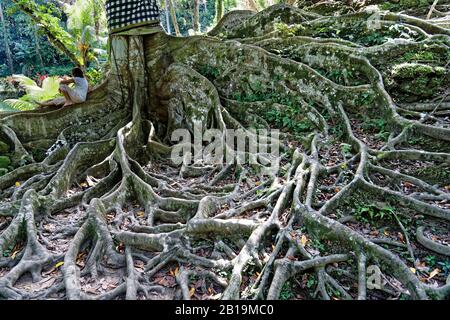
(81,87)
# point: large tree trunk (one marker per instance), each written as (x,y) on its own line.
(341,200)
(5,32)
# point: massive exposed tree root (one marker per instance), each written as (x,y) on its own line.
(95,209)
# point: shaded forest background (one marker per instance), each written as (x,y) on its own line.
(32,54)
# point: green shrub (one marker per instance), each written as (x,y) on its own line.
(4,162)
(4,148)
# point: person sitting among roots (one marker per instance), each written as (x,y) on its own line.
(78,93)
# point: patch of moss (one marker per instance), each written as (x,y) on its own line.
(286,31)
(412,70)
(419,56)
(417,80)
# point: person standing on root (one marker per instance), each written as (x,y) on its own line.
(78,93)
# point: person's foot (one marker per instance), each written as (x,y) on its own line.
(67,104)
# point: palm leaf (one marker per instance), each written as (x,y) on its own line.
(50,87)
(19,105)
(24,80)
(5,108)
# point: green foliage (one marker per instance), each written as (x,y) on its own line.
(412,70)
(185,9)
(445,266)
(94,75)
(419,56)
(4,148)
(24,37)
(73,38)
(371,213)
(356,30)
(404,4)
(337,129)
(84,17)
(34,93)
(334,292)
(49,19)
(209,72)
(433,174)
(57,70)
(311,282)
(428,143)
(291,118)
(416,80)
(346,149)
(39,154)
(4,107)
(318,245)
(430,260)
(4,162)
(365,99)
(286,291)
(8,251)
(288,31)
(373,39)
(378,126)
(81,14)
(340,76)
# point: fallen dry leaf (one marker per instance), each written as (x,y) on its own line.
(304,240)
(13,256)
(216,296)
(140,214)
(434,273)
(291,258)
(408,184)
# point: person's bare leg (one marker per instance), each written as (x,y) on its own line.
(69,102)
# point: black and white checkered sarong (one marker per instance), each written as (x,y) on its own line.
(122,14)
